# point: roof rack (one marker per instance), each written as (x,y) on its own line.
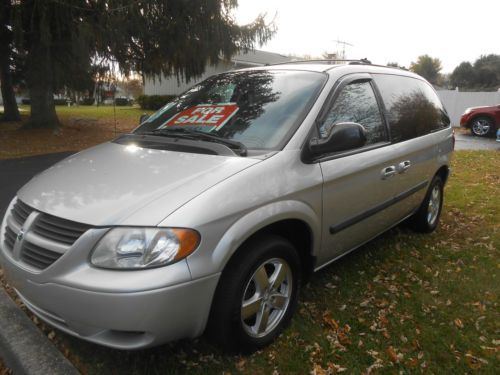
(328,61)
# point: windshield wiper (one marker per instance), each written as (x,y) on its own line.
(194,134)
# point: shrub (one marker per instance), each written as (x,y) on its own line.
(87,101)
(154,102)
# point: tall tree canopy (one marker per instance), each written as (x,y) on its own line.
(427,67)
(64,38)
(483,75)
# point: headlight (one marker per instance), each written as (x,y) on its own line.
(138,248)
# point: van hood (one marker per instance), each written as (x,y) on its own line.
(113,184)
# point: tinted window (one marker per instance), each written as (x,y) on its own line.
(413,107)
(357,103)
(258,108)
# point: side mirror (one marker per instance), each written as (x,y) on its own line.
(143,118)
(341,137)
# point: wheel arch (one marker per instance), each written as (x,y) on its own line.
(292,220)
(478,115)
(444,173)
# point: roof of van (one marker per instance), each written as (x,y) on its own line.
(328,65)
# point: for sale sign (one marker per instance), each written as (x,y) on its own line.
(211,116)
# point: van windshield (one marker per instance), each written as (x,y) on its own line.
(260,109)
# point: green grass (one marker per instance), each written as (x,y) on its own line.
(404,303)
(93,112)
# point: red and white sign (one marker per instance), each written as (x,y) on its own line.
(214,116)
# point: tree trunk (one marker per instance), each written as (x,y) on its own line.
(39,74)
(10,110)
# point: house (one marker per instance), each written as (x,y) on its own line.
(172,86)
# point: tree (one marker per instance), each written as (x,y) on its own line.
(484,74)
(10,112)
(487,71)
(427,67)
(463,75)
(62,38)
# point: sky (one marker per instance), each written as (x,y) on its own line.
(383,30)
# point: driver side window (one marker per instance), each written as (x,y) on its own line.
(357,103)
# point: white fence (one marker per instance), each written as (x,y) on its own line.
(456,102)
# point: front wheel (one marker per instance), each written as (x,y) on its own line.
(482,126)
(256,296)
(426,219)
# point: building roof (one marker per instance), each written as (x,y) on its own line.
(259,58)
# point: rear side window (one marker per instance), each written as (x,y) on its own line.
(357,103)
(413,107)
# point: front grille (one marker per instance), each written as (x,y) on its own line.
(47,237)
(10,238)
(37,256)
(21,211)
(59,230)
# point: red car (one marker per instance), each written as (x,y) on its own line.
(482,121)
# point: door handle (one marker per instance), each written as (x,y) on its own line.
(404,166)
(388,172)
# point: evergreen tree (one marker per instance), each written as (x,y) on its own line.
(63,38)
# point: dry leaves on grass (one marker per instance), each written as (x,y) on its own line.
(474,362)
(71,136)
(330,369)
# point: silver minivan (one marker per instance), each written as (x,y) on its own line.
(210,214)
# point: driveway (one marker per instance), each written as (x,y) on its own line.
(470,142)
(16,172)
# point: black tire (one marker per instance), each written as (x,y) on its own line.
(425,220)
(482,126)
(226,326)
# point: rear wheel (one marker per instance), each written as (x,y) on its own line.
(256,296)
(482,126)
(426,219)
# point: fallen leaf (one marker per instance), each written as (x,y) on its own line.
(240,365)
(474,362)
(458,323)
(318,370)
(330,322)
(393,356)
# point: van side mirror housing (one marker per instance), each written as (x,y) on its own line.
(341,137)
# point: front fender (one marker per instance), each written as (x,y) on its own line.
(209,262)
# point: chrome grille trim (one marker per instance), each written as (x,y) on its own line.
(46,243)
(46,238)
(21,211)
(13,224)
(59,230)
(37,256)
(9,239)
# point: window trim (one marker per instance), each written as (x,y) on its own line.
(330,100)
(386,112)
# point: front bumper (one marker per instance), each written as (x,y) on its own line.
(464,120)
(119,320)
(117,308)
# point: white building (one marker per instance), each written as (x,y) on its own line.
(172,86)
